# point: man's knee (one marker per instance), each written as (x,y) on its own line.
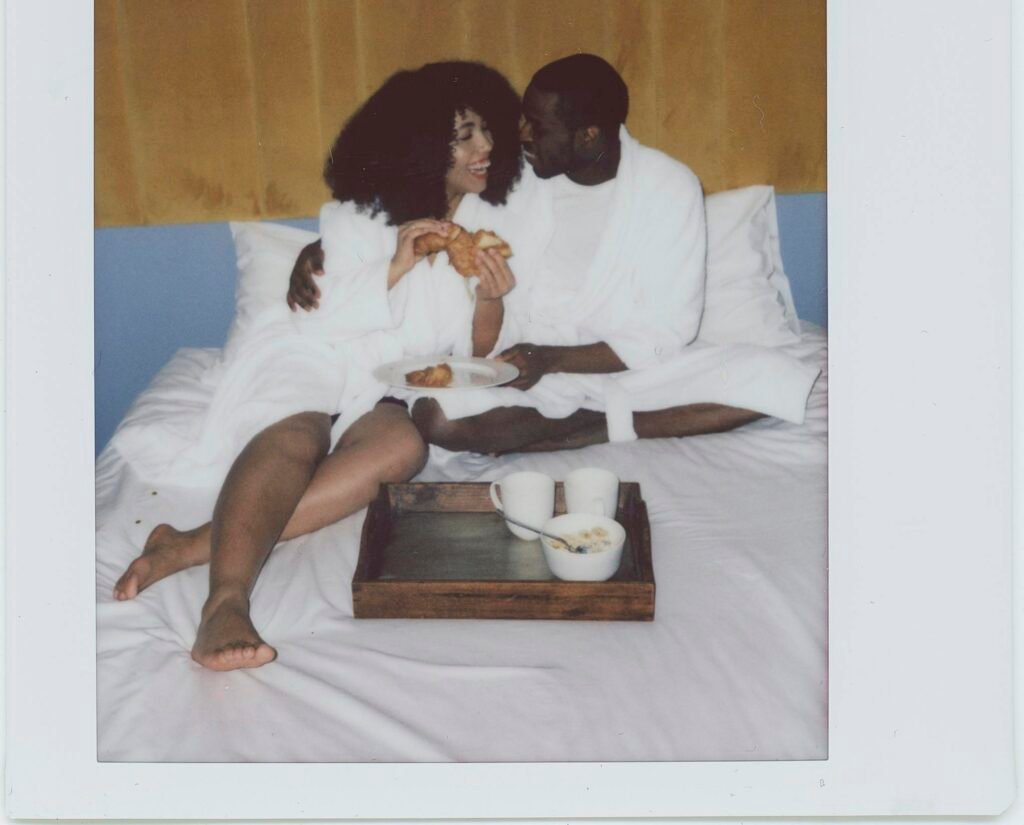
(434,426)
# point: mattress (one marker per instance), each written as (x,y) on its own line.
(733,667)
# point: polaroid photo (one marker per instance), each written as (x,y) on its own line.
(811,615)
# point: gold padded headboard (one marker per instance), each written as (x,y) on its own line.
(224,109)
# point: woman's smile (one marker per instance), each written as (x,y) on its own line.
(479,170)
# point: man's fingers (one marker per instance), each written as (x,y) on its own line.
(303,294)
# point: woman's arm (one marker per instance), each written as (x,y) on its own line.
(405,257)
(302,289)
(364,260)
(496,281)
(487,319)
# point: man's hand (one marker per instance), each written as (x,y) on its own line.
(302,289)
(535,361)
(532,361)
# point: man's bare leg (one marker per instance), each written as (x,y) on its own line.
(672,422)
(501,430)
(523,429)
(381,446)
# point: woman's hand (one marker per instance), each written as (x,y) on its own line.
(496,279)
(405,258)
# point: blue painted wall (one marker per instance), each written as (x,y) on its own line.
(803,238)
(160,288)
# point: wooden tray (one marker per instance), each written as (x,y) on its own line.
(439,551)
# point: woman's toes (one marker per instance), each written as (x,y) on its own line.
(126,587)
(264,654)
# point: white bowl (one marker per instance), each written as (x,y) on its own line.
(595,566)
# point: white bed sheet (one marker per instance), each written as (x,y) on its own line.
(733,667)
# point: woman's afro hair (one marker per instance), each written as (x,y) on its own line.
(394,152)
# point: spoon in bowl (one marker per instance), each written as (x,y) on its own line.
(571,548)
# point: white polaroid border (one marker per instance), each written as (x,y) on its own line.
(919,322)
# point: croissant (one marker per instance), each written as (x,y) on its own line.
(461,246)
(439,375)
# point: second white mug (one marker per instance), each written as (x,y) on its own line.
(592,490)
(526,496)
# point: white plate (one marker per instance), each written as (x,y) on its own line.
(467,373)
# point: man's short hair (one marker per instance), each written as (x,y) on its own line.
(590,91)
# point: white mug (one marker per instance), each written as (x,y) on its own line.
(527,497)
(592,490)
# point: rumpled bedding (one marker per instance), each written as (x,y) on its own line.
(733,667)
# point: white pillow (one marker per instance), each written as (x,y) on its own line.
(265,254)
(747,297)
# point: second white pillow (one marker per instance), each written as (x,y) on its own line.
(265,253)
(747,296)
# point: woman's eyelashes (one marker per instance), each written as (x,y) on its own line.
(469,132)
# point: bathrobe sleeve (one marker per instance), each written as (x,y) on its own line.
(354,289)
(668,246)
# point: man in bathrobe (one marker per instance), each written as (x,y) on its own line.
(609,243)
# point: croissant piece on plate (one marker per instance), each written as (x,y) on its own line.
(461,246)
(439,375)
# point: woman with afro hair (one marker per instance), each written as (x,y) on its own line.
(431,146)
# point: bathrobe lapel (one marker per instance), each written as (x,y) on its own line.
(606,273)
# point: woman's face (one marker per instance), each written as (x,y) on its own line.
(471,155)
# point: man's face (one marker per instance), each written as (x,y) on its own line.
(547,143)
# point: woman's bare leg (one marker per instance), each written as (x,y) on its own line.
(381,446)
(258,498)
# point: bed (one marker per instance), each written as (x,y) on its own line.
(733,666)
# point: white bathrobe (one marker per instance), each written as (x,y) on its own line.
(643,295)
(282,362)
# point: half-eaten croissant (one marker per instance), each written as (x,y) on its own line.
(461,246)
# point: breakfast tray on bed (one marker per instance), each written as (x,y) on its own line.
(440,551)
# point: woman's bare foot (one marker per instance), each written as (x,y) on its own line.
(226,639)
(167,551)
